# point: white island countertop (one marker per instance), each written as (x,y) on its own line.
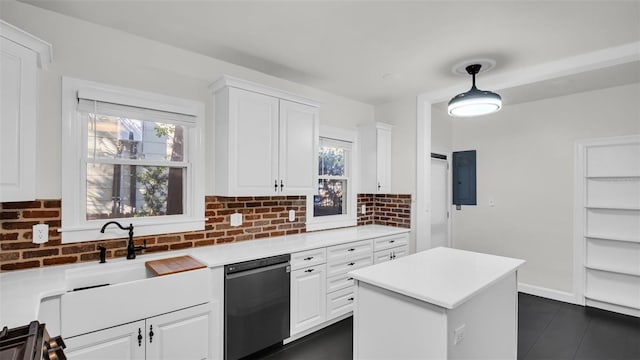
(441,276)
(22,291)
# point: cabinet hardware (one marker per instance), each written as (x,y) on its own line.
(150,333)
(139,337)
(379,186)
(350,299)
(391,241)
(349,278)
(352,249)
(309,270)
(281,186)
(275,185)
(308,258)
(351,263)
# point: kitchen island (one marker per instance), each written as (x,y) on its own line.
(441,303)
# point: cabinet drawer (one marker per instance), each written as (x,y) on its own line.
(390,254)
(340,302)
(352,263)
(339,281)
(388,242)
(307,258)
(349,250)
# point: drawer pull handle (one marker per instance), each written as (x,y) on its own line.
(309,270)
(308,258)
(350,299)
(352,249)
(391,241)
(349,278)
(351,263)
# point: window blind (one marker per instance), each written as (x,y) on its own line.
(328,142)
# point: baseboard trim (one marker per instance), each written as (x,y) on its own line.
(548,293)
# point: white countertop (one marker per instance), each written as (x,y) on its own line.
(22,291)
(441,276)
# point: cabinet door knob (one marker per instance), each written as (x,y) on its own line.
(139,337)
(309,270)
(281,186)
(275,185)
(150,333)
(350,299)
(379,186)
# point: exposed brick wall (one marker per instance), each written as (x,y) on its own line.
(385,209)
(262,217)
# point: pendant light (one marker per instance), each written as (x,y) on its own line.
(474,102)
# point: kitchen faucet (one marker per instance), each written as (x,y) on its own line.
(131,248)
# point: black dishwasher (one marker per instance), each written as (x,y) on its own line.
(256,305)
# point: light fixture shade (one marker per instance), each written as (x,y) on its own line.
(474,102)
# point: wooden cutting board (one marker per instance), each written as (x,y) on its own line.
(173,265)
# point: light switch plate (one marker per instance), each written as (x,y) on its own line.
(40,233)
(236,219)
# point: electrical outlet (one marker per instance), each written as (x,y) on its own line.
(363,209)
(292,215)
(458,334)
(236,219)
(40,233)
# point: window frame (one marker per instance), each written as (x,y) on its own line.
(350,218)
(75,226)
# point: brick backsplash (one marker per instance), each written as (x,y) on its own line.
(385,209)
(262,217)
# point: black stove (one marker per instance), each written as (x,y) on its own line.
(30,342)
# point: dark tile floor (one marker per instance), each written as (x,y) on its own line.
(547,329)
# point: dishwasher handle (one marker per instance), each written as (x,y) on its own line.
(258,270)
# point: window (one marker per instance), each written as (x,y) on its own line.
(334,203)
(139,157)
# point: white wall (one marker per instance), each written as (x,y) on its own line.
(92,52)
(525,163)
(402,115)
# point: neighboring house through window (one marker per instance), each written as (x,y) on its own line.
(130,156)
(334,203)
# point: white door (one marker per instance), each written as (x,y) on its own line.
(180,335)
(298,148)
(124,342)
(253,143)
(439,203)
(308,298)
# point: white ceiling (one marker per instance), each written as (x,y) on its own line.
(377,51)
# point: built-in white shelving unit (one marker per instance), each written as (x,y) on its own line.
(609,223)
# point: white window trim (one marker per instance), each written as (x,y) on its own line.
(351,217)
(75,227)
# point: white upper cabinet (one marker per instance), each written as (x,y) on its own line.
(21,54)
(266,140)
(374,142)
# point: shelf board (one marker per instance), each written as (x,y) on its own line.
(604,207)
(619,177)
(611,301)
(612,270)
(612,238)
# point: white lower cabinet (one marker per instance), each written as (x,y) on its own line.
(308,296)
(390,248)
(119,342)
(183,334)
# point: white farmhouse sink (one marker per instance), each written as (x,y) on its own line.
(107,274)
(113,294)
